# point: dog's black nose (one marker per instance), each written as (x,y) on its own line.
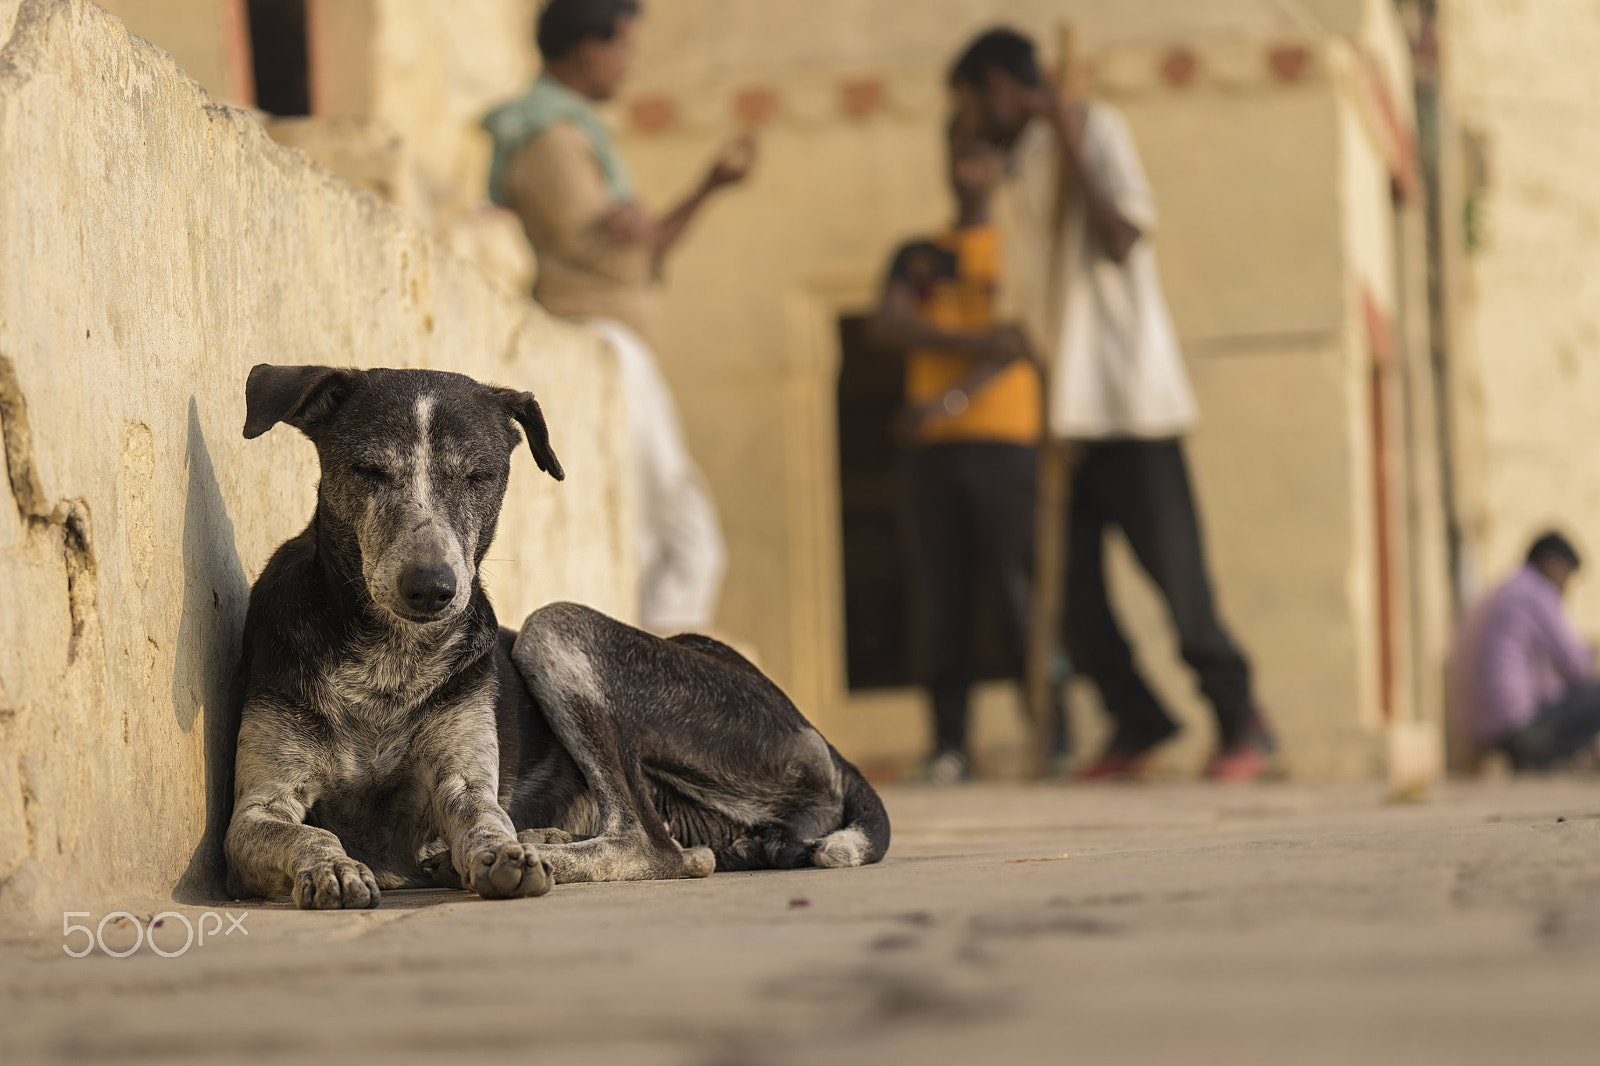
(427,589)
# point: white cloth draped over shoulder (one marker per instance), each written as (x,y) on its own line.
(1116,370)
(682,556)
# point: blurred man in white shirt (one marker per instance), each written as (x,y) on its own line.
(1076,224)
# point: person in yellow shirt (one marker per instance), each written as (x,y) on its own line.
(1078,225)
(973,420)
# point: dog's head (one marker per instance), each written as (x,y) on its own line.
(414,468)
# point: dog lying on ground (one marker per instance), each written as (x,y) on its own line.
(393,735)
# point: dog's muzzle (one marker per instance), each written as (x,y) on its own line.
(426,590)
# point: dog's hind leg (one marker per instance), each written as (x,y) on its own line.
(863,836)
(632,843)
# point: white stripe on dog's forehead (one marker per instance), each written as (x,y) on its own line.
(422,447)
(424,411)
(422,456)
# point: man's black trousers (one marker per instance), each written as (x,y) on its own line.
(1142,487)
(972,511)
(1558,731)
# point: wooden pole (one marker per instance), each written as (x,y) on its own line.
(1050,552)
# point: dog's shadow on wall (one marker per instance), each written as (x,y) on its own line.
(206,681)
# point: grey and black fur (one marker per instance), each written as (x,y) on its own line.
(394,735)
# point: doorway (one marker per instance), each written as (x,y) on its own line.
(281,57)
(880,608)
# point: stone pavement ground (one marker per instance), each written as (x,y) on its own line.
(1285,923)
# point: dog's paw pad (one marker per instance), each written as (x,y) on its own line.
(509,871)
(332,884)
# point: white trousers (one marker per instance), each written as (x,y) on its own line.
(682,556)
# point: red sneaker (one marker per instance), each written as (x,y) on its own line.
(1248,760)
(1116,766)
(1243,763)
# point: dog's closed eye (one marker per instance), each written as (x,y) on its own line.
(463,474)
(371,472)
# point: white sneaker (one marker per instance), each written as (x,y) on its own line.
(946,768)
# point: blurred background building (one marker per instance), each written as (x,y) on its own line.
(1378,236)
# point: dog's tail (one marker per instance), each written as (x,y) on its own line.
(863,836)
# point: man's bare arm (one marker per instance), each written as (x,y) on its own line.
(897,326)
(629,223)
(1110,228)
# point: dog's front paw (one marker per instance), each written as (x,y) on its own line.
(329,884)
(509,870)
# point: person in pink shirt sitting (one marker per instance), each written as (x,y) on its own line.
(1522,681)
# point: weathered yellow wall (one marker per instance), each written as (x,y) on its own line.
(437,68)
(207,38)
(1523,84)
(153,246)
(424,70)
(397,91)
(1275,214)
(1253,177)
(687,42)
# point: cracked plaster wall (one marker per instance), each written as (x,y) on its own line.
(1524,93)
(153,246)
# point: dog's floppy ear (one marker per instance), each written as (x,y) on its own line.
(525,409)
(298,395)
